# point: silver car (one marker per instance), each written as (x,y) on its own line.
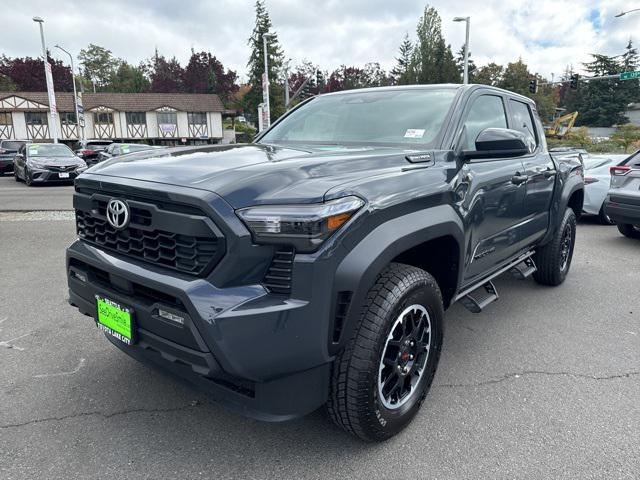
(597,180)
(623,201)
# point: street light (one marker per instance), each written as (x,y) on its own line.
(265,80)
(628,11)
(49,81)
(75,93)
(467,20)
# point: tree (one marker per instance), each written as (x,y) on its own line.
(99,65)
(630,61)
(165,75)
(432,58)
(6,84)
(27,74)
(205,74)
(402,73)
(128,79)
(490,74)
(256,66)
(516,78)
(601,103)
(471,65)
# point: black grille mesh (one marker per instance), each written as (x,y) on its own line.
(184,253)
(278,277)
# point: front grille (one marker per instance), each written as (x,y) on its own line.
(57,168)
(181,238)
(278,277)
(181,252)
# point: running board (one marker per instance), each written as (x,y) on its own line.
(478,300)
(487,290)
(524,269)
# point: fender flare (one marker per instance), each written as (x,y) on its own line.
(572,185)
(359,270)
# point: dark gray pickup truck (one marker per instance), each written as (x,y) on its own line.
(313,267)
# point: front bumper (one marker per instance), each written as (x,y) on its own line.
(261,354)
(48,176)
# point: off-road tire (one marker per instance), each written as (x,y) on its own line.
(552,270)
(354,402)
(629,230)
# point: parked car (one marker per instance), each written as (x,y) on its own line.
(597,180)
(623,200)
(314,266)
(88,150)
(117,149)
(46,162)
(8,150)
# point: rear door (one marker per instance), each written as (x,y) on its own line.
(538,168)
(493,203)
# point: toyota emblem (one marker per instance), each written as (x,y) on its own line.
(117,213)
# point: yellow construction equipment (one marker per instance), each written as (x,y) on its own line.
(561,125)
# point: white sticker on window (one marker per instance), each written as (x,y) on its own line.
(414,133)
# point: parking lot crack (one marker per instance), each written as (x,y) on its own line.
(100,414)
(510,376)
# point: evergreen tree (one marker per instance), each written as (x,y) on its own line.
(629,62)
(402,73)
(165,75)
(460,64)
(516,78)
(432,59)
(128,79)
(601,103)
(256,66)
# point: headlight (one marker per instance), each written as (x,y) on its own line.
(81,168)
(305,227)
(35,164)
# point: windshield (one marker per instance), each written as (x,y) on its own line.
(50,150)
(381,118)
(11,145)
(134,148)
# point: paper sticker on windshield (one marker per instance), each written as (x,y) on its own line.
(33,149)
(414,133)
(125,149)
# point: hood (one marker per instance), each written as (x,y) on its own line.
(255,174)
(58,161)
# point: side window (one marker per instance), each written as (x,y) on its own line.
(487,111)
(522,120)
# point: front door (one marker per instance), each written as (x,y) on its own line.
(493,204)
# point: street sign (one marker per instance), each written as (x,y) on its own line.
(630,75)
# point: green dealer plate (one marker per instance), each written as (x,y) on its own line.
(115,320)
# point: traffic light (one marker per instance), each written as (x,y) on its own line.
(573,83)
(533,85)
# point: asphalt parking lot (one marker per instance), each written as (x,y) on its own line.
(544,384)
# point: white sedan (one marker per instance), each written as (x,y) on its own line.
(596,182)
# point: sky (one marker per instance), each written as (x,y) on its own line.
(547,34)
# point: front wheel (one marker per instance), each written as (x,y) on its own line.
(628,230)
(27,177)
(554,259)
(381,378)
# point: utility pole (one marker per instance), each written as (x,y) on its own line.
(467,20)
(53,112)
(75,94)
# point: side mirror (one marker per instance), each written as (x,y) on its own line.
(19,155)
(499,143)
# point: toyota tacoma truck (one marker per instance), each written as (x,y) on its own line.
(313,266)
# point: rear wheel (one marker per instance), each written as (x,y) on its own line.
(628,230)
(381,378)
(554,259)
